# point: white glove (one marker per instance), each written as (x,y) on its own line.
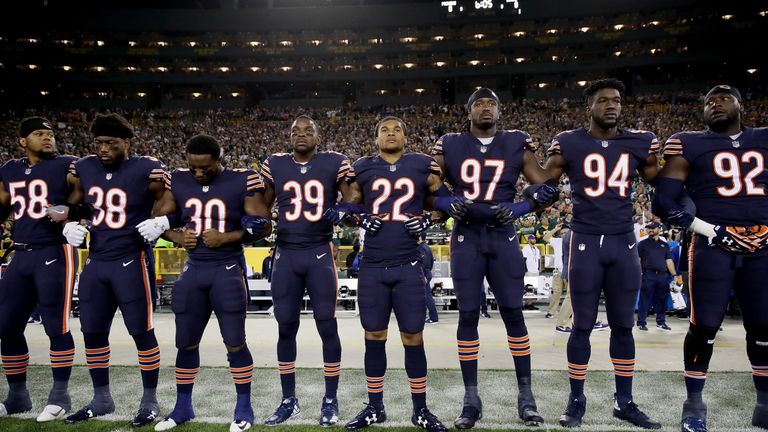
(152,229)
(75,233)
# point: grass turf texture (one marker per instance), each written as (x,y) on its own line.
(730,397)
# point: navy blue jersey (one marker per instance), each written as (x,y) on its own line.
(728,179)
(218,206)
(485,174)
(303,192)
(120,199)
(395,192)
(32,189)
(601,173)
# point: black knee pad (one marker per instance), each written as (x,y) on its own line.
(469,318)
(288,330)
(757,344)
(697,348)
(512,315)
(96,340)
(580,335)
(146,340)
(327,329)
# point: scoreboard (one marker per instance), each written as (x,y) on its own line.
(480,8)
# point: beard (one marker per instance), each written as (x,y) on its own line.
(484,125)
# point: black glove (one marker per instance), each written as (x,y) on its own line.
(418,224)
(370,223)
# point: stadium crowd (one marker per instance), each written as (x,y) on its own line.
(250,135)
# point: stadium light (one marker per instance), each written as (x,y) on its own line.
(224,69)
(99,69)
(316,42)
(375,41)
(162,44)
(196,95)
(235,94)
(519,59)
(752,71)
(438,38)
(542,85)
(132,43)
(618,26)
(655,50)
(141,94)
(555,58)
(129,69)
(160,69)
(653,23)
(286,43)
(409,65)
(31,40)
(727,17)
(344,41)
(44,92)
(255,43)
(617,53)
(102,94)
(584,29)
(474,62)
(479,36)
(347,67)
(519,33)
(419,90)
(408,39)
(381,92)
(763,13)
(255,68)
(192,43)
(223,43)
(440,63)
(581,83)
(378,66)
(552,31)
(193,69)
(286,68)
(66,68)
(99,43)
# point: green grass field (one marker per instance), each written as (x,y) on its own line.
(660,394)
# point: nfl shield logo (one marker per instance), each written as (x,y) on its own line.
(460,238)
(185,268)
(483,149)
(28,171)
(582,246)
(205,188)
(736,144)
(87,261)
(109,176)
(303,170)
(604,144)
(393,168)
(277,255)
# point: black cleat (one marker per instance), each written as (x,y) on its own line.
(84,414)
(144,417)
(632,414)
(693,424)
(468,417)
(288,408)
(527,411)
(426,420)
(329,412)
(574,412)
(368,416)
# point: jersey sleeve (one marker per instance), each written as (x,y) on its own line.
(437,149)
(266,174)
(253,183)
(157,170)
(554,148)
(169,179)
(673,146)
(655,148)
(73,168)
(434,168)
(345,172)
(530,144)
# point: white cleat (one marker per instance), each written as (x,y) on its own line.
(3,411)
(165,425)
(51,413)
(239,426)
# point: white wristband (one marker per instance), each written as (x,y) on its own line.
(701,227)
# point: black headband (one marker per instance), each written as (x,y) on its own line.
(31,124)
(481,93)
(722,88)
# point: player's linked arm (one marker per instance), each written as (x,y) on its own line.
(258,205)
(75,208)
(650,169)
(542,192)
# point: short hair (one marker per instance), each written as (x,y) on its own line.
(310,119)
(112,125)
(387,118)
(600,84)
(203,144)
